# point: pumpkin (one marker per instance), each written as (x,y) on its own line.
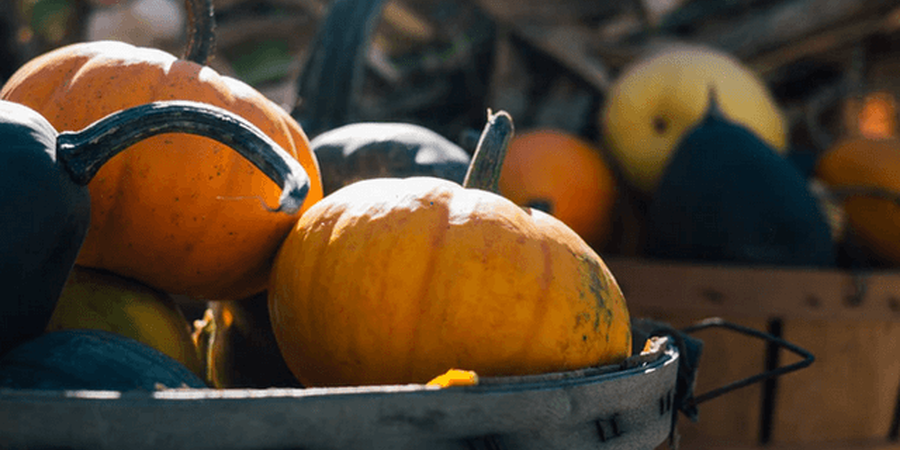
(565,176)
(862,170)
(661,96)
(399,280)
(47,207)
(179,213)
(728,197)
(239,346)
(92,360)
(93,299)
(362,151)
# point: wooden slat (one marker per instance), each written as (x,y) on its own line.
(762,292)
(569,45)
(845,399)
(787,22)
(850,392)
(870,444)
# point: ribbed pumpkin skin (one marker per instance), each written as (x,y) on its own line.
(396,281)
(566,171)
(862,162)
(180,213)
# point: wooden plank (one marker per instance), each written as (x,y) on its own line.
(809,294)
(852,445)
(786,22)
(570,46)
(849,392)
(822,42)
(557,12)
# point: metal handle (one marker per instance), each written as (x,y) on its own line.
(808,357)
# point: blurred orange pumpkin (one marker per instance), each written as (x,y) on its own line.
(863,167)
(565,176)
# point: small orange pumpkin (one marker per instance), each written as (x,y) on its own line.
(399,280)
(562,175)
(180,213)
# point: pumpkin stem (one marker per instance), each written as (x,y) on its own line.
(83,152)
(201,37)
(487,161)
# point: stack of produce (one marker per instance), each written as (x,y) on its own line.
(384,280)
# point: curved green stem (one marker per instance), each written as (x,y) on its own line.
(201,39)
(487,161)
(83,152)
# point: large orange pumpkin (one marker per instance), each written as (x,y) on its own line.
(180,213)
(563,175)
(398,280)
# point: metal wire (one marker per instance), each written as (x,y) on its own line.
(808,357)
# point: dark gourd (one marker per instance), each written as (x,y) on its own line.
(45,210)
(444,85)
(379,150)
(727,196)
(94,360)
(331,74)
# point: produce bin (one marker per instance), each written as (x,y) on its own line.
(847,399)
(631,405)
(624,406)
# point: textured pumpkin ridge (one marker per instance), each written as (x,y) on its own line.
(541,307)
(437,241)
(281,318)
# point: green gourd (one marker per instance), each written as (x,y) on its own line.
(86,359)
(366,150)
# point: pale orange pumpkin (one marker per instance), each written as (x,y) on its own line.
(399,280)
(565,176)
(180,213)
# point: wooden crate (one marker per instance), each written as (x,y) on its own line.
(847,399)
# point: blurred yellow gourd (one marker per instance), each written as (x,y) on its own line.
(657,99)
